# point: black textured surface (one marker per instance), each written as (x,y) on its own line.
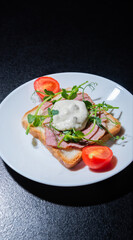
(34,41)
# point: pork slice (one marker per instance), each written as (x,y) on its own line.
(102,115)
(88,129)
(46,105)
(99,134)
(83,142)
(53,138)
(66,145)
(86,97)
(50,138)
(46,121)
(96,134)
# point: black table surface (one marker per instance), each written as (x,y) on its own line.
(36,40)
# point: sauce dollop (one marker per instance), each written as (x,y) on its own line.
(72,114)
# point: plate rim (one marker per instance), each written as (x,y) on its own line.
(113,82)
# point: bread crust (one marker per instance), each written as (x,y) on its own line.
(114,130)
(39,133)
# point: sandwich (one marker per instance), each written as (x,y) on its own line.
(67,121)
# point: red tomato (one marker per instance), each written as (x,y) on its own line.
(48,83)
(97,157)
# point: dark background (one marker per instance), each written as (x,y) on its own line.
(39,39)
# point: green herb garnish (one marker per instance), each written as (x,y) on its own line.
(37,120)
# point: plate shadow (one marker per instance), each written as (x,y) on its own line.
(93,194)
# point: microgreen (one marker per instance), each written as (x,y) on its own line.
(91,85)
(104,106)
(97,119)
(31,118)
(49,93)
(73,93)
(72,136)
(88,104)
(37,120)
(70,95)
(52,112)
(56,100)
(46,97)
(64,93)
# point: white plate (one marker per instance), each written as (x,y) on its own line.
(35,162)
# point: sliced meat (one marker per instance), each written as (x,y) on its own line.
(46,121)
(46,105)
(53,138)
(86,97)
(99,133)
(102,116)
(88,129)
(66,145)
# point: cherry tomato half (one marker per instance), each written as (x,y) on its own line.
(97,157)
(48,83)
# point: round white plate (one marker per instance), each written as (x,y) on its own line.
(34,161)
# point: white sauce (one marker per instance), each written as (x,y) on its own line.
(72,114)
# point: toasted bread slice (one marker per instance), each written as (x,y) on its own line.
(69,157)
